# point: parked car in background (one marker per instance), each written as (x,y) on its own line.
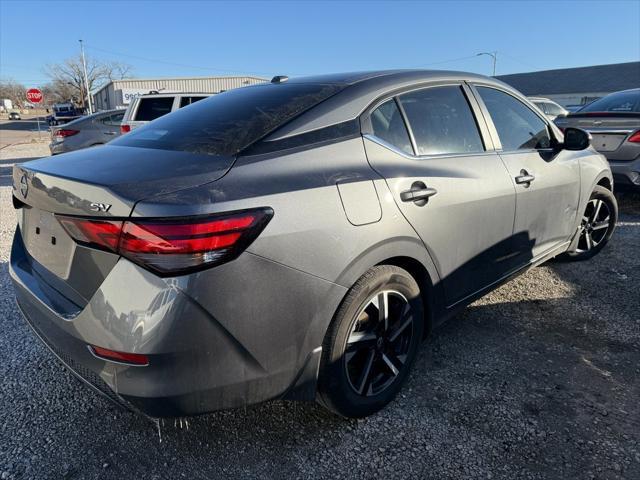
(15,116)
(146,108)
(614,123)
(296,239)
(62,113)
(573,108)
(89,131)
(550,108)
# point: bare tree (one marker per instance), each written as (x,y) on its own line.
(70,73)
(14,91)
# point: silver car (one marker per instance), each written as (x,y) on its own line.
(614,123)
(550,108)
(89,131)
(296,239)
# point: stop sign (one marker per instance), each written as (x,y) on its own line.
(34,95)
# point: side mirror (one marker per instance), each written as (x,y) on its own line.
(576,139)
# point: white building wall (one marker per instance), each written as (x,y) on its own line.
(118,93)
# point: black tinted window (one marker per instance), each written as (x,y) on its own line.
(151,108)
(388,125)
(517,125)
(184,101)
(616,102)
(441,121)
(228,122)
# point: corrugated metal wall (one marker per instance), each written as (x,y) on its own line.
(106,97)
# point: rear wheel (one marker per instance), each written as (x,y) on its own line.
(597,224)
(371,343)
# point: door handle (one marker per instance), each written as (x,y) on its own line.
(525,178)
(419,193)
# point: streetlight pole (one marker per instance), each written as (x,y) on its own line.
(493,55)
(86,80)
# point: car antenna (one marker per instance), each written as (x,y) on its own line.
(279,79)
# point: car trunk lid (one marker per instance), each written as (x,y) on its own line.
(104,182)
(608,129)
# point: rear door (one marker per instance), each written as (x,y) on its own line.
(547,181)
(109,126)
(449,184)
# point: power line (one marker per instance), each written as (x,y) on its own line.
(451,60)
(199,67)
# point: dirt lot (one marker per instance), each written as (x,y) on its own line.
(540,379)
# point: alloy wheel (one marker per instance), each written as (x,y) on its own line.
(594,225)
(379,342)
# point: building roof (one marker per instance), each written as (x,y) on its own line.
(598,78)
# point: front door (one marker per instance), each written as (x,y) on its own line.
(456,193)
(547,181)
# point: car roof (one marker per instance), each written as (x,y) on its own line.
(539,99)
(359,90)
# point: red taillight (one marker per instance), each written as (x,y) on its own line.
(125,128)
(66,132)
(635,138)
(120,357)
(170,246)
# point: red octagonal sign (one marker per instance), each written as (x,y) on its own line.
(34,95)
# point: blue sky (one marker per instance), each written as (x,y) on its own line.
(181,38)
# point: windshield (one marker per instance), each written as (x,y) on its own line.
(228,122)
(628,102)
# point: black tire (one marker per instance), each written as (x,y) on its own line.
(591,240)
(337,391)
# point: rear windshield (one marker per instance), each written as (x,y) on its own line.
(616,102)
(229,122)
(151,108)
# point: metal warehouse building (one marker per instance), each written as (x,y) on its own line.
(576,86)
(118,93)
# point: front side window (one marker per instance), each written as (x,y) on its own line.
(441,121)
(151,108)
(388,125)
(518,127)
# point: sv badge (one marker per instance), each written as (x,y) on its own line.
(100,207)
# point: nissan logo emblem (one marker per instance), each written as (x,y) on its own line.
(24,185)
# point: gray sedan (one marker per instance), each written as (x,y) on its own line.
(614,123)
(296,239)
(96,129)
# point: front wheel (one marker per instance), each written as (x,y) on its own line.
(597,224)
(371,343)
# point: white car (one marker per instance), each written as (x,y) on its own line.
(550,108)
(146,108)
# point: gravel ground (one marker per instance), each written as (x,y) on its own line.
(540,379)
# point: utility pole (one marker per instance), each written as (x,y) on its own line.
(86,80)
(493,55)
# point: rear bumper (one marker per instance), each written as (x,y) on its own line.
(206,351)
(626,174)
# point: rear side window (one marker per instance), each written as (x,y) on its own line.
(151,108)
(553,109)
(388,125)
(616,102)
(441,121)
(226,123)
(184,101)
(518,127)
(541,105)
(113,120)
